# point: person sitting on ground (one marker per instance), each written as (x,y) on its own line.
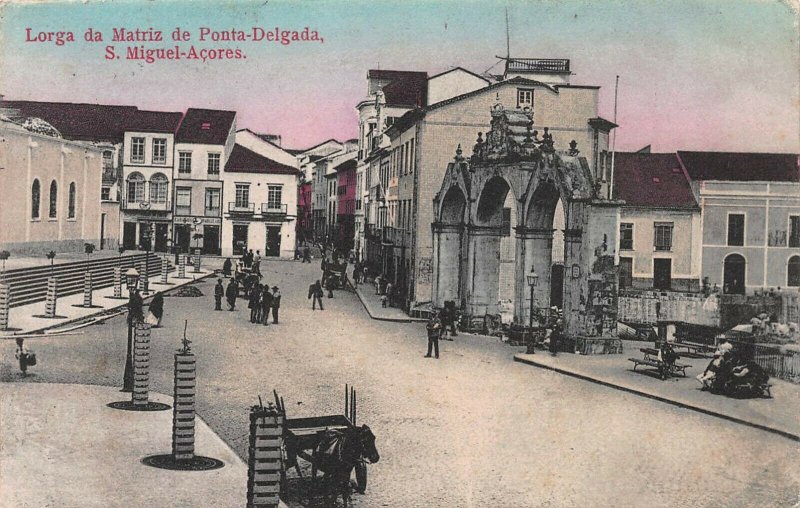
(226,267)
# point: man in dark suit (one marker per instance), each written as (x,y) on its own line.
(266,304)
(219,292)
(230,293)
(315,292)
(254,302)
(276,304)
(434,328)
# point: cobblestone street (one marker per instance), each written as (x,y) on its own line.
(471,429)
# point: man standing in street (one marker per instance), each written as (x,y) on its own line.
(276,304)
(219,292)
(254,302)
(315,292)
(306,255)
(231,293)
(257,264)
(434,328)
(266,304)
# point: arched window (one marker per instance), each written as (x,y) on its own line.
(794,272)
(71,213)
(734,275)
(135,187)
(158,188)
(36,197)
(53,200)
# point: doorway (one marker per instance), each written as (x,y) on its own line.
(183,238)
(733,279)
(557,285)
(662,273)
(210,239)
(162,233)
(129,235)
(239,239)
(273,247)
(102,231)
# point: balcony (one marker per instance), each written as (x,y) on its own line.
(240,207)
(273,208)
(538,64)
(156,206)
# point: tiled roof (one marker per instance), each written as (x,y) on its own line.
(741,167)
(153,121)
(205,126)
(82,122)
(652,180)
(243,160)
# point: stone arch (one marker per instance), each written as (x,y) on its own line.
(448,239)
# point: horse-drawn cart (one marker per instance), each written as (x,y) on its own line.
(332,444)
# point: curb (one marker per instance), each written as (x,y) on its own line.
(782,433)
(98,313)
(393,320)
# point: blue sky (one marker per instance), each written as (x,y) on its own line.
(702,75)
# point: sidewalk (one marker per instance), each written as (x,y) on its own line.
(778,414)
(21,319)
(16,262)
(62,446)
(372,304)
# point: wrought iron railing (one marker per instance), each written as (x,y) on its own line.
(273,208)
(238,207)
(778,361)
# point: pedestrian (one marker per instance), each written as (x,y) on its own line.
(356,275)
(248,263)
(135,308)
(276,304)
(306,255)
(226,267)
(156,310)
(555,337)
(330,282)
(254,302)
(434,329)
(24,356)
(450,318)
(219,292)
(323,264)
(257,264)
(230,293)
(266,305)
(378,282)
(389,290)
(315,291)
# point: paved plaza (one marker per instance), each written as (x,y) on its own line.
(471,429)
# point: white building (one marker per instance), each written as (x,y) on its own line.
(260,196)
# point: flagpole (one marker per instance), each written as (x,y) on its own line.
(613,142)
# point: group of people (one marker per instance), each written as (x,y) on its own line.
(260,300)
(729,373)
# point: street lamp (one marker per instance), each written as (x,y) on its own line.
(533,280)
(132,280)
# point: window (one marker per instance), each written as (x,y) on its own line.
(36,197)
(626,236)
(411,165)
(71,209)
(135,187)
(524,98)
(242,195)
(159,151)
(53,200)
(625,272)
(794,272)
(183,199)
(212,201)
(213,163)
(506,231)
(794,231)
(105,193)
(137,149)
(663,236)
(108,162)
(158,188)
(184,162)
(736,229)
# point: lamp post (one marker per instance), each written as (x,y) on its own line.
(533,279)
(132,280)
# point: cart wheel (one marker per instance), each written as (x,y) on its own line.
(361,477)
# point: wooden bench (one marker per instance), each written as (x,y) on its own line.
(651,360)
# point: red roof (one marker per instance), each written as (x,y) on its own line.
(741,167)
(404,88)
(652,180)
(81,122)
(153,121)
(205,126)
(243,160)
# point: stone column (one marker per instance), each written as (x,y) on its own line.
(484,271)
(141,364)
(183,409)
(164,270)
(197,263)
(51,297)
(447,258)
(264,463)
(182,266)
(87,289)
(117,282)
(5,303)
